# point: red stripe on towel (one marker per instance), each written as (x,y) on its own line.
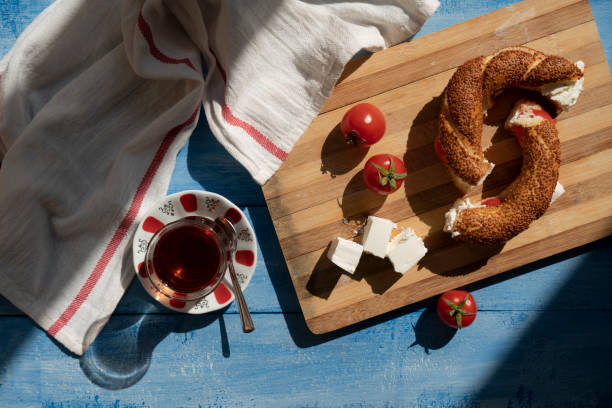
(254,133)
(146,32)
(247,127)
(123,228)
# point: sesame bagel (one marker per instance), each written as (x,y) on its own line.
(498,219)
(471,91)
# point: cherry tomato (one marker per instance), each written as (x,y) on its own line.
(363,125)
(457,308)
(384,173)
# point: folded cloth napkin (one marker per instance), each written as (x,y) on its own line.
(98,96)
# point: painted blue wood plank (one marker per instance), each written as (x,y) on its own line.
(505,358)
(204,164)
(521,351)
(15,16)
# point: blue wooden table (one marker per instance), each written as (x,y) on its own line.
(542,338)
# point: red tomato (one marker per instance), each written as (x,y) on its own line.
(544,114)
(384,173)
(492,202)
(457,308)
(439,150)
(518,132)
(363,125)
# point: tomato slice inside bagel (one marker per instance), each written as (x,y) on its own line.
(518,130)
(492,202)
(440,150)
(518,133)
(543,114)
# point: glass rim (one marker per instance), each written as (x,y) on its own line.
(218,277)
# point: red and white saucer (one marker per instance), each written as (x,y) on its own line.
(203,204)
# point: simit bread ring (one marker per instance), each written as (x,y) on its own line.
(527,198)
(471,90)
(458,144)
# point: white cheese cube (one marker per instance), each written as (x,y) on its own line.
(376,236)
(405,250)
(345,254)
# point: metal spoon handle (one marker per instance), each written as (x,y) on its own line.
(245,316)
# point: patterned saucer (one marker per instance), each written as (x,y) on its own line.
(203,204)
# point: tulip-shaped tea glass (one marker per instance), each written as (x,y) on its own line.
(186,259)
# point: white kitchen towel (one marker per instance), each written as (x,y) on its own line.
(98,96)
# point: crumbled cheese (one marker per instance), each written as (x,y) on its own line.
(464,185)
(522,115)
(376,235)
(405,250)
(452,214)
(482,179)
(345,254)
(565,93)
(559,190)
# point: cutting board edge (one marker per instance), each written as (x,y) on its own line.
(604,231)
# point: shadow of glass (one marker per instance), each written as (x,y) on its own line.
(122,352)
(563,358)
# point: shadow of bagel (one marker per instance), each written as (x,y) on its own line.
(430,203)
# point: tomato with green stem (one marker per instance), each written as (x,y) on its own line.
(457,308)
(384,173)
(363,125)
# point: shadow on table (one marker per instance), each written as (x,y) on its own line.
(12,339)
(563,358)
(209,164)
(121,354)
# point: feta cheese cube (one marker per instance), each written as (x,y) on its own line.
(376,236)
(405,250)
(345,254)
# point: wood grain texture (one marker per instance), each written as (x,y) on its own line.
(319,187)
(522,351)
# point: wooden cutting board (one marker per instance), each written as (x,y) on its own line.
(319,194)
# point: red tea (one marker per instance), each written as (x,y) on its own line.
(187,258)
